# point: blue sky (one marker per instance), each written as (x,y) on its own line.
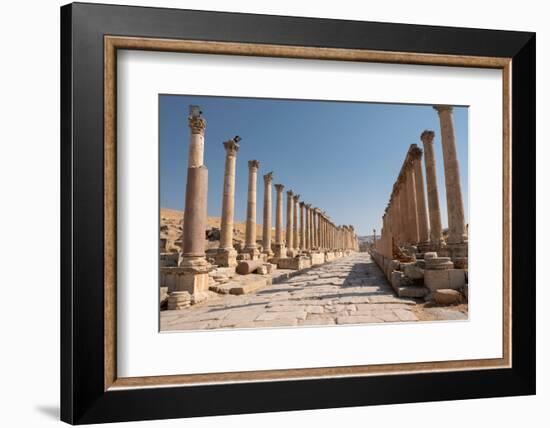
(342,157)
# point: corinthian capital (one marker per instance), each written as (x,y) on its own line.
(427,136)
(279,187)
(231,147)
(416,152)
(443,108)
(268,178)
(253,164)
(197,124)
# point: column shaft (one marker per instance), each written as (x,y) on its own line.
(455,205)
(250,238)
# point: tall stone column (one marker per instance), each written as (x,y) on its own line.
(303,245)
(289,223)
(308,227)
(295,225)
(403,203)
(427,138)
(422,212)
(191,276)
(266,233)
(411,200)
(250,235)
(455,205)
(317,228)
(226,255)
(311,228)
(280,250)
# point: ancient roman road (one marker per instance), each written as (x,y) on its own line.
(350,290)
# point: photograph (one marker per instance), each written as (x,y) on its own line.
(281,213)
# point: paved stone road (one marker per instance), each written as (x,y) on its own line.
(351,290)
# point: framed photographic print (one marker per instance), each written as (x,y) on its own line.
(274,213)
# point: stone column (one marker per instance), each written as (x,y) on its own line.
(289,223)
(308,226)
(250,236)
(427,138)
(226,255)
(411,200)
(191,276)
(455,205)
(317,228)
(422,212)
(403,203)
(303,245)
(311,228)
(280,250)
(266,233)
(295,225)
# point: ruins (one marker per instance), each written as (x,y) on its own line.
(418,260)
(415,256)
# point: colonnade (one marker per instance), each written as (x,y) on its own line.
(407,219)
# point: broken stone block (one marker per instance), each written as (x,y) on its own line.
(179,300)
(447,296)
(414,291)
(412,271)
(262,270)
(441,279)
(295,263)
(317,259)
(396,279)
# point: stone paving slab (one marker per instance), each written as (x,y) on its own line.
(347,291)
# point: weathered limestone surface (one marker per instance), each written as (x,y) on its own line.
(431,183)
(266,235)
(350,290)
(280,250)
(455,205)
(250,242)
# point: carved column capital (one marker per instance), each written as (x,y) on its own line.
(268,178)
(416,153)
(427,136)
(279,187)
(197,124)
(231,147)
(443,108)
(253,164)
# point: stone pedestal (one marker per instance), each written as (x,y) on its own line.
(317,258)
(190,277)
(295,263)
(459,254)
(223,257)
(439,273)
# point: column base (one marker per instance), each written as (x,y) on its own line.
(459,254)
(291,252)
(223,257)
(188,283)
(253,252)
(280,251)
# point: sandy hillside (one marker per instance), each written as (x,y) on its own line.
(171,227)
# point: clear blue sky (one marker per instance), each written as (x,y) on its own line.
(342,157)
